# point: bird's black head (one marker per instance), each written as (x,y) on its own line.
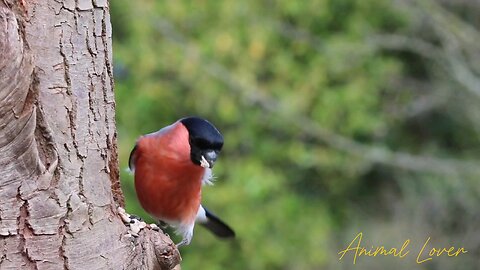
(205,141)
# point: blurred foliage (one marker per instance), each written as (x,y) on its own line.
(266,71)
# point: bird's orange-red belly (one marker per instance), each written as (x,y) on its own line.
(168,191)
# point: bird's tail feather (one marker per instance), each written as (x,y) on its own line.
(217,226)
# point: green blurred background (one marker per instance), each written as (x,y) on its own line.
(339,117)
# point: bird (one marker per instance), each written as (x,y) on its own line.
(170,167)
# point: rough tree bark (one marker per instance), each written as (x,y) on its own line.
(59,186)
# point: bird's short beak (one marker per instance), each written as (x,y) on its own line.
(208,159)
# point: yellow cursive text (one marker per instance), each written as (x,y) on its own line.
(450,252)
(374,251)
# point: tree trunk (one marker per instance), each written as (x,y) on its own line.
(59,186)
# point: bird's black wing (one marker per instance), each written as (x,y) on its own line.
(131,159)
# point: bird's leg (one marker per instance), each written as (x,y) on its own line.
(182,243)
(162,224)
(187,233)
(185,241)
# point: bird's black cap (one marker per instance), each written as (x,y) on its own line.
(205,139)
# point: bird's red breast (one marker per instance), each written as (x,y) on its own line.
(168,184)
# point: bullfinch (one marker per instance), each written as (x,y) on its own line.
(170,167)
